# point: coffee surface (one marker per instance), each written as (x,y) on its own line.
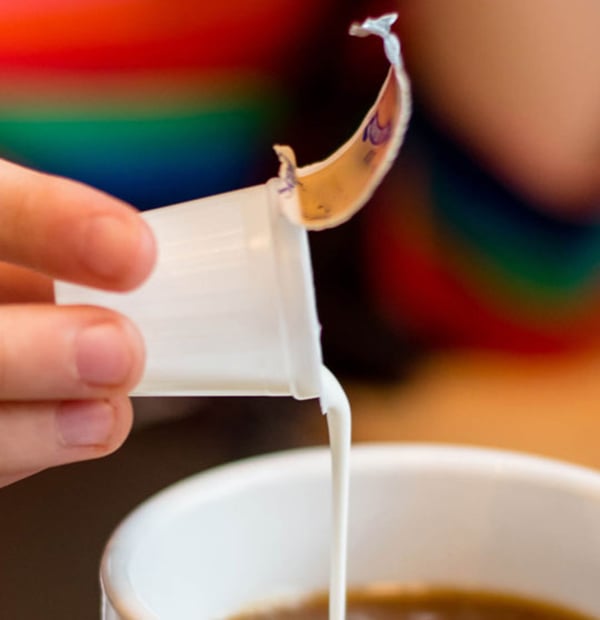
(424,605)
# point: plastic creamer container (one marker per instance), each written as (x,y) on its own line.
(230,307)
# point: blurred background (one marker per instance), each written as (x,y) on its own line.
(461,305)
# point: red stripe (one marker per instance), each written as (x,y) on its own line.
(263,36)
(420,294)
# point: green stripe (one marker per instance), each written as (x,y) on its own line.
(526,263)
(37,138)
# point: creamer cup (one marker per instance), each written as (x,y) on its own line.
(230,308)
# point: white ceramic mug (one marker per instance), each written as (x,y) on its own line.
(258,530)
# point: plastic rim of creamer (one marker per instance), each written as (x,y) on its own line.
(327,193)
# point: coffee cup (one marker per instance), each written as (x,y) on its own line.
(257,532)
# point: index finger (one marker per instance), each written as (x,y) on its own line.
(70,231)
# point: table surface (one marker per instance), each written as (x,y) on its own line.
(548,406)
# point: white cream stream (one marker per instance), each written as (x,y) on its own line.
(335,404)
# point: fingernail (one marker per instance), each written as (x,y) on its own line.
(117,248)
(88,423)
(103,244)
(103,354)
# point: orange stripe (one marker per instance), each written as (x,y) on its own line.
(154,88)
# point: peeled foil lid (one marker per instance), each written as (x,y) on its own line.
(327,193)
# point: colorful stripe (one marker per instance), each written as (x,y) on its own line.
(153,101)
(454,256)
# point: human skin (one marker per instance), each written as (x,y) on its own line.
(65,372)
(519,84)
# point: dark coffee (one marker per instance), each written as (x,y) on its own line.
(433,604)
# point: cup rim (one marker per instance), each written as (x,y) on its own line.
(225,479)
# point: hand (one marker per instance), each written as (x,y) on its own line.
(65,372)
